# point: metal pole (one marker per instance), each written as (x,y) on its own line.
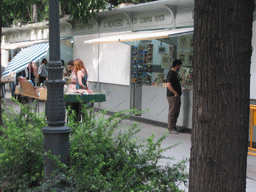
(56,134)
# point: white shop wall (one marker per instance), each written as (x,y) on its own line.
(4,57)
(88,53)
(253,64)
(114,62)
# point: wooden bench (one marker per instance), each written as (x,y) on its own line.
(29,91)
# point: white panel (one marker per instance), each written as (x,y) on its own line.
(4,57)
(117,97)
(88,54)
(253,64)
(185,116)
(184,17)
(114,62)
(155,99)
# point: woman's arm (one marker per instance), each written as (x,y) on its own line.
(80,75)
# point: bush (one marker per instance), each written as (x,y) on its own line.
(104,156)
(21,154)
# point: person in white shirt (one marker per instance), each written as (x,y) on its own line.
(42,72)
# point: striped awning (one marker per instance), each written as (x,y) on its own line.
(21,60)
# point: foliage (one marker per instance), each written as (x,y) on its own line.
(22,11)
(104,156)
(21,156)
(15,11)
(84,10)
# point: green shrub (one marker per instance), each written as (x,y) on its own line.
(21,156)
(104,156)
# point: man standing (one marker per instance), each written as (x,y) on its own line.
(42,71)
(173,95)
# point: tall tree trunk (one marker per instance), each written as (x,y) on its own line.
(1,22)
(221,78)
(35,14)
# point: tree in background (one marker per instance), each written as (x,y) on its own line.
(84,10)
(21,11)
(221,86)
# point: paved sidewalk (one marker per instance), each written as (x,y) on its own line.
(180,152)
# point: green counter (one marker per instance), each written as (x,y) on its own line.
(97,97)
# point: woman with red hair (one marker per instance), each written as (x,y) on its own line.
(81,74)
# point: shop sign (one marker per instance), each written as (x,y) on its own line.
(91,27)
(115,23)
(155,20)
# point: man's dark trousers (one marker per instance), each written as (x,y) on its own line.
(174,110)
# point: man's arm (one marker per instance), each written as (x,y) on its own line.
(169,86)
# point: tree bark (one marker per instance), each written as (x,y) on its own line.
(35,14)
(221,79)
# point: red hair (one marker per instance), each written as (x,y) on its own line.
(79,65)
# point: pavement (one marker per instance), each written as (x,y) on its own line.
(179,152)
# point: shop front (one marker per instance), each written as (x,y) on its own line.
(29,42)
(128,53)
(150,64)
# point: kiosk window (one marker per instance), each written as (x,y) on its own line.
(151,59)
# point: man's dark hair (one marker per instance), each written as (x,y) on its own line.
(44,59)
(71,62)
(176,62)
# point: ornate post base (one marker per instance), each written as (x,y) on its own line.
(56,139)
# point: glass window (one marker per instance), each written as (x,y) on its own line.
(151,59)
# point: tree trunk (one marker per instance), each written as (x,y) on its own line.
(1,22)
(221,79)
(35,17)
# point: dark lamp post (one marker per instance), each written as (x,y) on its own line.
(56,134)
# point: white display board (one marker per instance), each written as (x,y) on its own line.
(114,62)
(4,57)
(88,53)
